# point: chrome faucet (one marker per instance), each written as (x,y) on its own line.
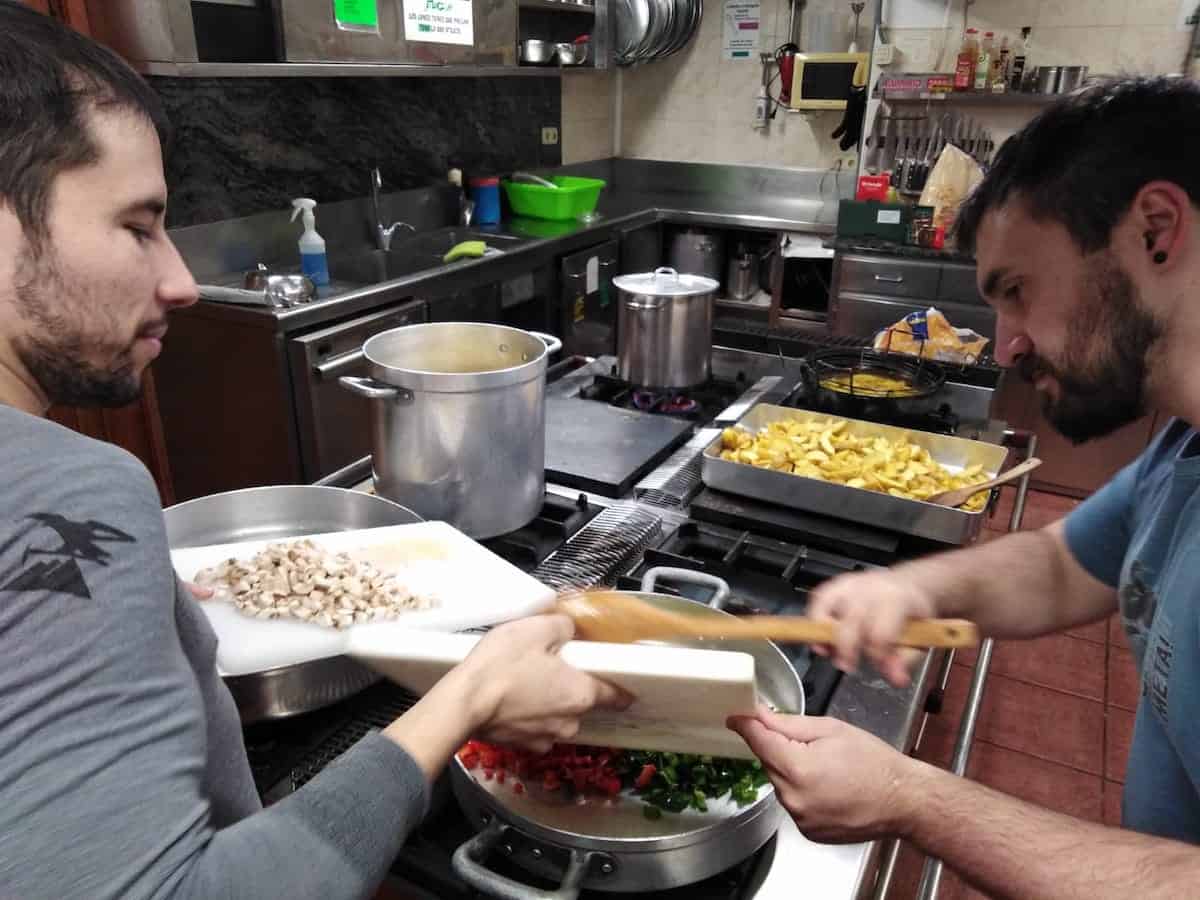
(383,235)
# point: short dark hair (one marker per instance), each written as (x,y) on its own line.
(51,77)
(1082,161)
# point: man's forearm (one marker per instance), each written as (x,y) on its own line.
(1017,586)
(1012,849)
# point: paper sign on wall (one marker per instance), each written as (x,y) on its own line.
(356,15)
(440,21)
(742,20)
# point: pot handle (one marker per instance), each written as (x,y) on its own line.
(553,344)
(719,585)
(666,270)
(468,866)
(375,390)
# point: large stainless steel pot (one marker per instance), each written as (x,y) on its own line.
(279,512)
(459,422)
(697,252)
(664,328)
(615,847)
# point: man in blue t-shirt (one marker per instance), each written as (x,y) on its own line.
(1087,235)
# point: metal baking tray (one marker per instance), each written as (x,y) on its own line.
(915,517)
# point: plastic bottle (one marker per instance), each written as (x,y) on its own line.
(964,68)
(1000,64)
(983,62)
(1018,65)
(312,245)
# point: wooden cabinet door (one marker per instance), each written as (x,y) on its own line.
(137,428)
(1066,468)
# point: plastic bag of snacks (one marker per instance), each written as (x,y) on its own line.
(929,334)
(954,176)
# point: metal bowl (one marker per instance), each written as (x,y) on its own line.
(276,513)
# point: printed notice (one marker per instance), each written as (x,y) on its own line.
(356,15)
(439,21)
(742,20)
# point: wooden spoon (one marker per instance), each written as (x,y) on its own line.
(959,496)
(619,618)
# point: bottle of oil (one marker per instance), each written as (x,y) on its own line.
(983,62)
(964,68)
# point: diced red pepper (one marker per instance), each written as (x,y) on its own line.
(518,788)
(470,759)
(489,774)
(501,775)
(645,776)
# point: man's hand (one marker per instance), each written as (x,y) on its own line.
(524,694)
(200,593)
(871,609)
(839,783)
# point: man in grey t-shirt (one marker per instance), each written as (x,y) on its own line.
(122,768)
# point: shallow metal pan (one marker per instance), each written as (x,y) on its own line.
(915,517)
(613,846)
(281,512)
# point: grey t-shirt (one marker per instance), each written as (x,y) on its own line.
(122,768)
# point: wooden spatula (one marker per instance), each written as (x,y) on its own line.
(959,496)
(620,618)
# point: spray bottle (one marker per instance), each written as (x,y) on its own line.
(312,245)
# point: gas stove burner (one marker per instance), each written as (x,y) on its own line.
(646,401)
(680,403)
(668,404)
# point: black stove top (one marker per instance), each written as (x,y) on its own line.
(557,522)
(700,404)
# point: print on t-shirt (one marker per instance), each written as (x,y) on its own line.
(60,573)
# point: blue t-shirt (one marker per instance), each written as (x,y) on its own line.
(1140,533)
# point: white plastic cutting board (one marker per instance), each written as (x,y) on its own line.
(684,695)
(474,587)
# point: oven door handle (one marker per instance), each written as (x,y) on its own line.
(335,365)
(468,865)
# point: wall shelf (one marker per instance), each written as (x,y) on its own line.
(969,98)
(340,70)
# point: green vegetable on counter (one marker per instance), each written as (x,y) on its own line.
(673,782)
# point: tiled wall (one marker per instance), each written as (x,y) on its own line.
(1109,36)
(248,145)
(587,115)
(699,107)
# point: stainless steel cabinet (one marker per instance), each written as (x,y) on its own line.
(870,293)
(334,425)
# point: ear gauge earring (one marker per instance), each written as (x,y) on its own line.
(1160,257)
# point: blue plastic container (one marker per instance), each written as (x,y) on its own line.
(486,194)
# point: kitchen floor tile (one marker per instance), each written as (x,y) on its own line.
(1058,661)
(1047,784)
(1118,734)
(1097,631)
(1112,802)
(1049,724)
(1116,632)
(1042,508)
(1124,682)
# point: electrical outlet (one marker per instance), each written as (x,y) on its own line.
(885,54)
(549,136)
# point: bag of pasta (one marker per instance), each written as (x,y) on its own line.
(928,334)
(953,177)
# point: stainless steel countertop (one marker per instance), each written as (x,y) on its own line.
(617,211)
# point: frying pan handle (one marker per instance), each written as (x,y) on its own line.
(468,865)
(719,585)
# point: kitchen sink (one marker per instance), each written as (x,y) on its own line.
(411,254)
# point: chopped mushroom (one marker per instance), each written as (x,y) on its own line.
(303,581)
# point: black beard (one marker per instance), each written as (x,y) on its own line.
(54,352)
(1105,389)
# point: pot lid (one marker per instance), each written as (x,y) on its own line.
(665,282)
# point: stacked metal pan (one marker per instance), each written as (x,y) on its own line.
(654,29)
